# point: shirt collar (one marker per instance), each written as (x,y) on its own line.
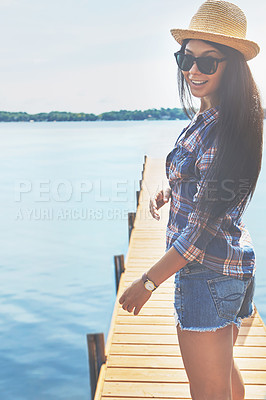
(209,115)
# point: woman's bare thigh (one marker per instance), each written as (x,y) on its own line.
(208,359)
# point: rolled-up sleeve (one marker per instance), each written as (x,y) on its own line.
(199,231)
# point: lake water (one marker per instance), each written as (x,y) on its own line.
(66,189)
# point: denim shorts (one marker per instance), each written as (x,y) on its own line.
(206,300)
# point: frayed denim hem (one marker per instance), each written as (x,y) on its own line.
(207,329)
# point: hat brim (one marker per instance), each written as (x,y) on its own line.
(248,48)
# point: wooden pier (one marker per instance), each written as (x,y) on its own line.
(143,359)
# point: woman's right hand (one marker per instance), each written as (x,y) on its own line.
(161,198)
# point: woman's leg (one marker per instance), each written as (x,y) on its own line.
(238,388)
(208,360)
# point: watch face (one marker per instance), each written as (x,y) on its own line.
(149,285)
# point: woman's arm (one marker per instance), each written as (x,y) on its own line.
(170,263)
(136,295)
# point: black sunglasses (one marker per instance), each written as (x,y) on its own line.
(206,65)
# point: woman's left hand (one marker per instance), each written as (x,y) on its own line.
(135,296)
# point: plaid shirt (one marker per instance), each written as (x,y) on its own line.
(224,244)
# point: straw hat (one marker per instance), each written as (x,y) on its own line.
(220,22)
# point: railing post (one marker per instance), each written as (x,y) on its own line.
(143,168)
(97,357)
(119,268)
(137,196)
(145,159)
(131,220)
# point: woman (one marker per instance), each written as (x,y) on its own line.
(212,171)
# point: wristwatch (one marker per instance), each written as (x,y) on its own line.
(149,285)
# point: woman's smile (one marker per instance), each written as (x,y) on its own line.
(196,82)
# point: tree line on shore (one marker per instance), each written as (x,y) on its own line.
(122,115)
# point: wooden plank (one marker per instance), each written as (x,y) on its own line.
(146,389)
(173,350)
(158,305)
(146,320)
(153,319)
(139,398)
(165,390)
(149,311)
(146,375)
(257,341)
(171,329)
(254,377)
(169,375)
(161,361)
(144,361)
(163,296)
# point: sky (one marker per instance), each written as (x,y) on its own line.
(97,56)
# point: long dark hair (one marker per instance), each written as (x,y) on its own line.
(234,172)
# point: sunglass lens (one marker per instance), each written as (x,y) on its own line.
(207,65)
(184,61)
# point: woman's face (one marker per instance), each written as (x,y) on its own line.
(201,85)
